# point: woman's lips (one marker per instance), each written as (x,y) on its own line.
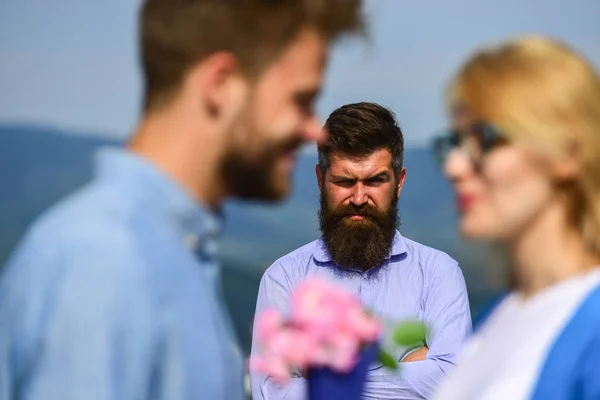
(464,201)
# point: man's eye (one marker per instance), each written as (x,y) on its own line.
(344,182)
(377,180)
(306,103)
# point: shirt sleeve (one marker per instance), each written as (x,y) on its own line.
(448,317)
(82,326)
(274,291)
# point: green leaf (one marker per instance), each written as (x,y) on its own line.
(410,333)
(387,360)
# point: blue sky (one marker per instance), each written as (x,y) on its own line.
(73,63)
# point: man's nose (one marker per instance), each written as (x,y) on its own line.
(359,195)
(314,131)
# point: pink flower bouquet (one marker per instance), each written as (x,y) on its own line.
(328,336)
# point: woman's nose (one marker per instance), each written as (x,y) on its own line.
(457,165)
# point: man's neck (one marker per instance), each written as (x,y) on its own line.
(548,251)
(181,150)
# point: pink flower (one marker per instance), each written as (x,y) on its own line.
(268,323)
(327,327)
(366,327)
(272,366)
(343,362)
(322,356)
(303,348)
(320,305)
(343,351)
(307,301)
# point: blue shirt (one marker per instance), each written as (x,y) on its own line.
(572,366)
(545,346)
(114,294)
(415,281)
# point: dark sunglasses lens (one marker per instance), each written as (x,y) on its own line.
(489,137)
(480,138)
(443,145)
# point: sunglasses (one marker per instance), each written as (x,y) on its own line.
(476,140)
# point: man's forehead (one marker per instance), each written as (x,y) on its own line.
(374,163)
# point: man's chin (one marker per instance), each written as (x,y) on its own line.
(260,184)
(278,194)
(280,185)
(274,192)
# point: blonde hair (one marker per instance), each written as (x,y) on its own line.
(541,92)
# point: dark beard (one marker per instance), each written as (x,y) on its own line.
(250,178)
(249,167)
(358,244)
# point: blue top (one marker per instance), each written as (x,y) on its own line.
(114,293)
(571,368)
(415,281)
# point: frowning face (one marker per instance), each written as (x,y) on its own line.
(358,215)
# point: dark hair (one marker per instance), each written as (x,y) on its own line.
(360,129)
(176,34)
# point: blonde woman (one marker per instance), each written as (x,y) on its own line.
(524,160)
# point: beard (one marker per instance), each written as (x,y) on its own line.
(360,244)
(250,166)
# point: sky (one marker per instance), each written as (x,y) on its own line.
(73,64)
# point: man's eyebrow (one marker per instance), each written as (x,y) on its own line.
(342,177)
(378,175)
(382,174)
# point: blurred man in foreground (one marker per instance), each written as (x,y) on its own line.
(360,176)
(114,293)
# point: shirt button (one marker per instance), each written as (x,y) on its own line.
(365,275)
(192,241)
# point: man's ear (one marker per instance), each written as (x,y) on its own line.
(401,177)
(320,177)
(217,81)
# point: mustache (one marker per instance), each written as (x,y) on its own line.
(364,210)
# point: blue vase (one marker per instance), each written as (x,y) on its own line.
(327,384)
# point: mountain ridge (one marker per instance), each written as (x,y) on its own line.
(41,165)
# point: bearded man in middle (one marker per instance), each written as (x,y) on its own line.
(360,174)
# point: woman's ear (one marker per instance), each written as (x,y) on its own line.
(565,169)
(568,166)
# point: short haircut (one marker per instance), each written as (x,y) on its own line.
(176,34)
(358,130)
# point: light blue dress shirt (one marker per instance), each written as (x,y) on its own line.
(114,293)
(415,281)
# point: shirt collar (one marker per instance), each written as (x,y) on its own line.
(398,247)
(199,226)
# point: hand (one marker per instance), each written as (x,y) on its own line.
(417,355)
